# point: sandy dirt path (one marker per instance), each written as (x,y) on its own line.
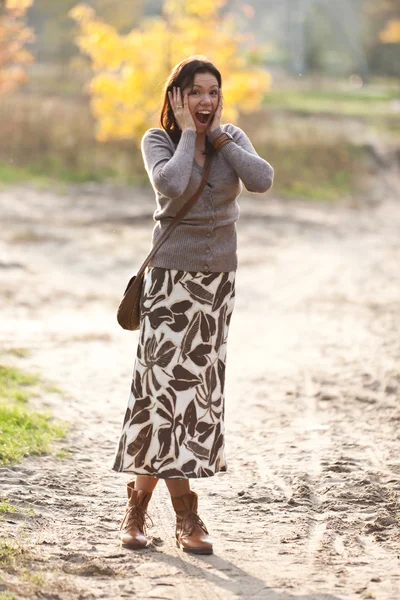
(309,508)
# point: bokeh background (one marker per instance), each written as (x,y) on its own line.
(315,83)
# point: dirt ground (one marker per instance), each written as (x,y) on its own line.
(309,508)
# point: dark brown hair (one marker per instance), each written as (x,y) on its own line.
(182,76)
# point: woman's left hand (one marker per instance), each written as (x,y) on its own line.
(216,122)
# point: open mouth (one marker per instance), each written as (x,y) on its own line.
(203,116)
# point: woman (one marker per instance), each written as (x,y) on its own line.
(174,424)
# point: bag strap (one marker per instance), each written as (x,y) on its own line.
(178,217)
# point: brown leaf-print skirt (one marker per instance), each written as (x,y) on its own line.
(174,423)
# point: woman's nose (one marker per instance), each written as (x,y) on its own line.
(206,99)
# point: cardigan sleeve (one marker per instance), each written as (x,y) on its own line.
(169,171)
(256,173)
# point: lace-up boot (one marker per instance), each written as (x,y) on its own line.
(191,533)
(133,526)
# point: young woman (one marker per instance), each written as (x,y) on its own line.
(174,424)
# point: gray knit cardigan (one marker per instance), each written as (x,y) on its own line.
(206,238)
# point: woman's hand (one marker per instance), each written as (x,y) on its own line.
(181,110)
(216,122)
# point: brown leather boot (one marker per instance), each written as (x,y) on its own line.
(191,533)
(133,526)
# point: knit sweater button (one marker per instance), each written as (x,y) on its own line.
(206,267)
(210,207)
(208,234)
(208,192)
(211,221)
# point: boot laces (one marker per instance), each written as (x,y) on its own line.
(136,515)
(189,521)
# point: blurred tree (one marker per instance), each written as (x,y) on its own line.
(382,21)
(324,36)
(13,37)
(56,32)
(130,69)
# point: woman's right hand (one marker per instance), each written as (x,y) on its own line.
(181,110)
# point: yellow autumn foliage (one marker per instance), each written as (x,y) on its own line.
(13,37)
(19,6)
(391,33)
(130,70)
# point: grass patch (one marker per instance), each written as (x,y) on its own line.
(63,453)
(315,172)
(23,431)
(361,103)
(10,551)
(46,173)
(6,507)
(18,352)
(12,174)
(37,579)
(50,171)
(16,384)
(53,389)
(6,596)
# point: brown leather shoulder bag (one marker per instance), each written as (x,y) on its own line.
(128,313)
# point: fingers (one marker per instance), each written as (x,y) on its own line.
(180,108)
(175,99)
(171,96)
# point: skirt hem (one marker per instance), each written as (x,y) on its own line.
(160,475)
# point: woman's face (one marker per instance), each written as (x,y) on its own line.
(203,97)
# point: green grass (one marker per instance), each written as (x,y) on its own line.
(6,507)
(38,579)
(6,596)
(45,175)
(16,384)
(50,171)
(10,550)
(63,453)
(315,172)
(41,177)
(12,174)
(338,185)
(14,561)
(23,431)
(362,103)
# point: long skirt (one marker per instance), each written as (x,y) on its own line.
(174,423)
